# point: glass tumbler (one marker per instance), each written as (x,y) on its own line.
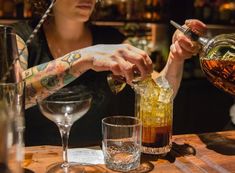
(121,143)
(154,107)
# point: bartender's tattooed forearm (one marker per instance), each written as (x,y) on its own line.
(30,94)
(23,55)
(44,79)
(68,77)
(50,82)
(42,67)
(71,58)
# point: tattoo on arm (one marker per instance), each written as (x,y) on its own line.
(50,82)
(44,79)
(70,59)
(24,56)
(42,67)
(68,77)
(30,95)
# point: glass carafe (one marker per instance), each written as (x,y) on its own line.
(217,58)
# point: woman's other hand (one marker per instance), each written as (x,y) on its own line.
(182,47)
(121,59)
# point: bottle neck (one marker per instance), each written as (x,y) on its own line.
(203,41)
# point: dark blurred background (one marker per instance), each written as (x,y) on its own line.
(199,106)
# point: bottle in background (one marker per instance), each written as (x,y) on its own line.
(19,8)
(148,10)
(8,8)
(207,11)
(227,12)
(27,9)
(1,8)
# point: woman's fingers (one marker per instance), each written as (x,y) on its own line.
(139,58)
(123,59)
(188,45)
(197,26)
(183,47)
(126,68)
(178,51)
(145,56)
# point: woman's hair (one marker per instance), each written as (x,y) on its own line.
(39,7)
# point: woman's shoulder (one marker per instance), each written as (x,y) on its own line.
(23,28)
(106,35)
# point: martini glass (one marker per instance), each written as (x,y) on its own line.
(64,108)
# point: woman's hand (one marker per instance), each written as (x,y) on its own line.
(182,47)
(121,59)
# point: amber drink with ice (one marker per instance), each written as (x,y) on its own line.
(154,107)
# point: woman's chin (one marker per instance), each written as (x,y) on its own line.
(83,17)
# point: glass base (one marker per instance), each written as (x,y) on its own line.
(160,150)
(59,168)
(75,168)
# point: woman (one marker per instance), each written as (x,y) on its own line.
(76,53)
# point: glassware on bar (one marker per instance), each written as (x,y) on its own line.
(8,54)
(121,142)
(154,107)
(12,127)
(11,105)
(64,108)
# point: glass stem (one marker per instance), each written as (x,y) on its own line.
(64,132)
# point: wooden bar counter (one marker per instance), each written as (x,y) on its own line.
(192,153)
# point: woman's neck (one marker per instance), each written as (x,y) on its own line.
(64,36)
(67,30)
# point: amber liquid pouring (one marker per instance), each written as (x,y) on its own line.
(221,74)
(219,67)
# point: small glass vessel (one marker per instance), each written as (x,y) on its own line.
(217,58)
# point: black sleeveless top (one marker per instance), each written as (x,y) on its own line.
(87,130)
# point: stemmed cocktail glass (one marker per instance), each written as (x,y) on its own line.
(64,108)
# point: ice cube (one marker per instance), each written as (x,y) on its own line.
(166,92)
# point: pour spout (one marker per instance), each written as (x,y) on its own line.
(190,34)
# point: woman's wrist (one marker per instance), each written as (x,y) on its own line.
(84,63)
(176,60)
(173,71)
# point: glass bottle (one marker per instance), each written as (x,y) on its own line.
(11,104)
(9,53)
(217,58)
(8,8)
(218,62)
(27,9)
(19,8)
